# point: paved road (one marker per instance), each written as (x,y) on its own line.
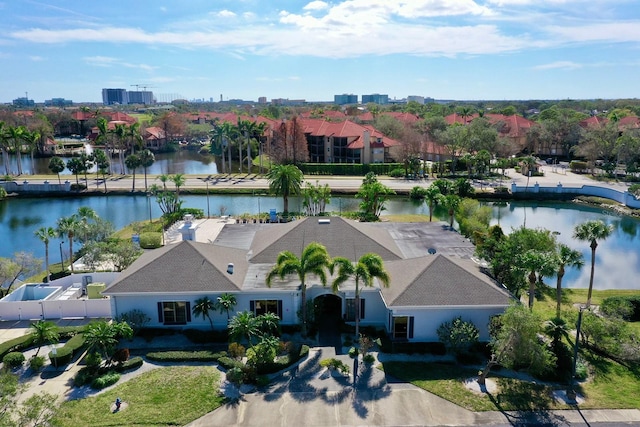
(553,176)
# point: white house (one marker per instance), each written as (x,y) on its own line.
(433,278)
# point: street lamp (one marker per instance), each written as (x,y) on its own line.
(571,393)
(206,181)
(61,258)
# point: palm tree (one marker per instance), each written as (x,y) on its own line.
(133,162)
(535,261)
(451,202)
(314,259)
(135,139)
(5,145)
(103,336)
(56,165)
(268,324)
(32,139)
(244,325)
(163,179)
(178,180)
(368,267)
(566,257)
(68,227)
(102,164)
(45,234)
(592,231)
(433,197)
(83,216)
(285,180)
(226,303)
(147,158)
(120,131)
(202,307)
(103,135)
(17,135)
(44,332)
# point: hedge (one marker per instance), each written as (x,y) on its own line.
(186,356)
(130,365)
(294,356)
(150,240)
(198,336)
(65,354)
(13,360)
(349,169)
(26,341)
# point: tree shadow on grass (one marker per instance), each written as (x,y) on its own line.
(529,404)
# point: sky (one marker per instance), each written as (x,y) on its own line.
(313,50)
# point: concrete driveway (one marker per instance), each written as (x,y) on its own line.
(309,396)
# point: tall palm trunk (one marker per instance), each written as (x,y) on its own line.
(594,245)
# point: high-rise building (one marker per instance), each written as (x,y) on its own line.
(375,98)
(415,98)
(114,96)
(24,102)
(345,99)
(58,102)
(140,97)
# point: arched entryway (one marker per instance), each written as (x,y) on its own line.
(328,315)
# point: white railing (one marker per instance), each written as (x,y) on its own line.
(623,197)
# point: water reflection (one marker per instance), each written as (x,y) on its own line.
(617,258)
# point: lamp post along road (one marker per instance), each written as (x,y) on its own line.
(61,257)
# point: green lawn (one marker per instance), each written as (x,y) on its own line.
(164,396)
(447,381)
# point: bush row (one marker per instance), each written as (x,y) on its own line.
(26,341)
(626,307)
(349,169)
(65,354)
(186,356)
(293,357)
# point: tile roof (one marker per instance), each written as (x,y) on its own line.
(441,281)
(513,126)
(341,237)
(183,267)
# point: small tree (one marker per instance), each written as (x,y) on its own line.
(225,303)
(517,343)
(44,332)
(202,307)
(374,196)
(458,336)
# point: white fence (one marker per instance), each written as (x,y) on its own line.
(60,309)
(27,187)
(624,198)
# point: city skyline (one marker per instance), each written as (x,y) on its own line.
(313,50)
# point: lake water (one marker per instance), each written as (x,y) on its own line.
(617,263)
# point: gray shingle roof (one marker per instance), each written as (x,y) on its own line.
(183,267)
(441,281)
(341,237)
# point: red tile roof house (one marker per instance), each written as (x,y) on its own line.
(425,290)
(154,137)
(513,127)
(348,142)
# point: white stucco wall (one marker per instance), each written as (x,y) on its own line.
(428,319)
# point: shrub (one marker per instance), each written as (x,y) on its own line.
(458,336)
(13,360)
(582,370)
(36,363)
(121,355)
(578,166)
(105,380)
(353,352)
(136,319)
(65,353)
(197,336)
(84,376)
(625,307)
(334,363)
(131,364)
(417,193)
(235,375)
(501,190)
(396,173)
(369,358)
(236,350)
(229,363)
(16,344)
(93,360)
(150,240)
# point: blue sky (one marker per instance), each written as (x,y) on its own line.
(445,49)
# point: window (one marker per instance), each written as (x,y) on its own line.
(403,327)
(259,307)
(350,309)
(174,312)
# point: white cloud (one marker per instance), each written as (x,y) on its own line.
(36,58)
(567,65)
(619,32)
(316,5)
(226,14)
(105,61)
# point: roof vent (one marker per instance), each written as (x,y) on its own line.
(324,221)
(230,268)
(431,251)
